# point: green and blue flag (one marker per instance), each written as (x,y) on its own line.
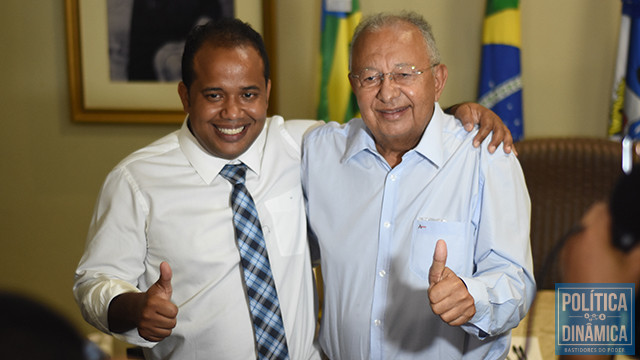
(625,101)
(500,86)
(339,20)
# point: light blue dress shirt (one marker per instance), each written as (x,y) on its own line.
(377,228)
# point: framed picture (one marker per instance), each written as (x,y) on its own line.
(115,78)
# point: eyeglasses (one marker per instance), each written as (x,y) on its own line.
(402,75)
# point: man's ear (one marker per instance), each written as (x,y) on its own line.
(268,91)
(183,91)
(440,74)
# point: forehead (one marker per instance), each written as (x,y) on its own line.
(390,45)
(215,61)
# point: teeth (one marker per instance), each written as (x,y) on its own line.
(393,110)
(233,131)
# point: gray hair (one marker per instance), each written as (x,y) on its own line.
(377,21)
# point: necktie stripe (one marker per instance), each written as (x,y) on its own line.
(263,298)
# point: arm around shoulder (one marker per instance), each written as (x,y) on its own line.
(297,128)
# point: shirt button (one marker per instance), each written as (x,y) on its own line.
(392,177)
(266,229)
(387,224)
(382,273)
(377,322)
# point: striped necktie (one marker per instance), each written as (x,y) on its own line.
(263,298)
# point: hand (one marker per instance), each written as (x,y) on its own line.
(448,295)
(590,257)
(157,316)
(471,114)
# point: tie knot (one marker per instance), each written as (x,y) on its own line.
(234,173)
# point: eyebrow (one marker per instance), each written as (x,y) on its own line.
(245,88)
(396,66)
(252,87)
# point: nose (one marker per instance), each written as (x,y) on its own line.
(389,89)
(232,109)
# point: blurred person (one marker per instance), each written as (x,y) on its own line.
(604,248)
(31,330)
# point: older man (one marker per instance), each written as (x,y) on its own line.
(382,190)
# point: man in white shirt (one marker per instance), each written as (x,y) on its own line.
(161,267)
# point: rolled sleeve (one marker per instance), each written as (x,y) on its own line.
(94,297)
(113,260)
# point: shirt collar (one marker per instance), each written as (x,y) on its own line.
(430,145)
(209,166)
(359,139)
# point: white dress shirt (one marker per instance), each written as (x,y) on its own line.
(377,228)
(166,202)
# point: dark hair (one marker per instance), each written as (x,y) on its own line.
(624,207)
(30,330)
(225,32)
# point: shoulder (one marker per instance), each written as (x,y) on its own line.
(297,128)
(452,126)
(459,142)
(455,139)
(155,150)
(453,129)
(291,131)
(332,130)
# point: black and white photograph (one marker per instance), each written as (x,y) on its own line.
(146,37)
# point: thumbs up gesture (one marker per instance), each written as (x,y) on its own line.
(448,295)
(158,314)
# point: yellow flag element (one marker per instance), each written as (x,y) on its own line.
(502,28)
(339,89)
(617,121)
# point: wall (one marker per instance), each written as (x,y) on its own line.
(52,168)
(568,55)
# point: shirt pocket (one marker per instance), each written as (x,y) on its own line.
(288,222)
(426,233)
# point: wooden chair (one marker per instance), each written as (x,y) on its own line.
(564,177)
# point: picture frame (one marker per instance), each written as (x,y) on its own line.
(95,98)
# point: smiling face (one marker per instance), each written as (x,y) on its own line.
(228,99)
(397,115)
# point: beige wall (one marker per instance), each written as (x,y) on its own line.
(52,168)
(568,54)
